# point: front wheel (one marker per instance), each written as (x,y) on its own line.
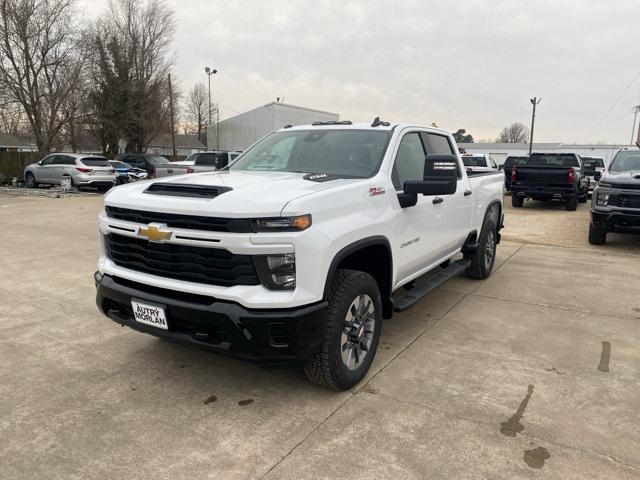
(483,259)
(30,181)
(351,333)
(597,236)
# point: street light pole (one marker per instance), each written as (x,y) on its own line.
(636,109)
(209,72)
(534,101)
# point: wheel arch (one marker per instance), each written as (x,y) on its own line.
(357,256)
(496,214)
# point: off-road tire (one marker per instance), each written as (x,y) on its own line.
(572,203)
(517,200)
(30,181)
(481,267)
(597,236)
(326,368)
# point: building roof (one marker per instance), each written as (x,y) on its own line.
(8,140)
(182,141)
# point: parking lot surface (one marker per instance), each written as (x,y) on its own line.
(532,373)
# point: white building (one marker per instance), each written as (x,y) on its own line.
(241,131)
(500,151)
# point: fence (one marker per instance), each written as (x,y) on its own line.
(12,164)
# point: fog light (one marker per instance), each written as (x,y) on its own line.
(277,272)
(603,199)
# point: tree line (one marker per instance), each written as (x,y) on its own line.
(62,82)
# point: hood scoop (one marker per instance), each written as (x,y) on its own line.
(186,190)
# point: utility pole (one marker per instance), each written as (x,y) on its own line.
(636,109)
(173,124)
(534,101)
(210,72)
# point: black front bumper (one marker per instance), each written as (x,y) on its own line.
(270,336)
(616,221)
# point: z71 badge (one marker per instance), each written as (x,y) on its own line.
(373,191)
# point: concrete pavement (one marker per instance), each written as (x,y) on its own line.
(532,373)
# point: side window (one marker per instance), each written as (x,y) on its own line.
(409,164)
(48,160)
(69,161)
(58,160)
(493,163)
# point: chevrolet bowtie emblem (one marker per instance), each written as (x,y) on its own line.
(154,232)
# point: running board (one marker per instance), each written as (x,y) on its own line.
(408,298)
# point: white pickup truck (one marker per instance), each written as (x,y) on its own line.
(298,250)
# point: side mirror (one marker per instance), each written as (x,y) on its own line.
(440,178)
(597,176)
(40,163)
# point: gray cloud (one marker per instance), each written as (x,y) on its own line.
(468,64)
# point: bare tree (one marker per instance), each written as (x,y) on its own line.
(131,59)
(40,61)
(197,110)
(514,133)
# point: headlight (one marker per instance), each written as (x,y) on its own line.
(603,199)
(282,224)
(277,272)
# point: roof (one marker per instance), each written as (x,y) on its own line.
(182,141)
(287,105)
(366,126)
(8,140)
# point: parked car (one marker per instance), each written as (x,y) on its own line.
(550,176)
(479,162)
(83,170)
(615,205)
(145,161)
(126,173)
(198,162)
(508,165)
(296,252)
(591,166)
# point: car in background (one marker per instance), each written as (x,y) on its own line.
(591,166)
(126,173)
(145,161)
(199,162)
(83,170)
(508,165)
(615,206)
(479,162)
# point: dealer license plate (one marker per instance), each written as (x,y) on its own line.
(148,314)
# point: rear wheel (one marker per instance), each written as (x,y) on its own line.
(572,203)
(517,200)
(483,259)
(30,180)
(351,334)
(597,236)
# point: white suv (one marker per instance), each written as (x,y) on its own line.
(83,170)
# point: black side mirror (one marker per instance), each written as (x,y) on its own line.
(597,176)
(440,178)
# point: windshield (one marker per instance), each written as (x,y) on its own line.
(156,160)
(626,161)
(553,160)
(95,162)
(590,162)
(344,153)
(474,161)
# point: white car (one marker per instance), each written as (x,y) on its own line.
(198,162)
(298,250)
(83,170)
(479,162)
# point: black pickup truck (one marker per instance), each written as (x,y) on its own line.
(615,205)
(549,176)
(508,165)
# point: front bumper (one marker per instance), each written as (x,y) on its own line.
(290,335)
(615,221)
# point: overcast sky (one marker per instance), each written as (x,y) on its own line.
(468,64)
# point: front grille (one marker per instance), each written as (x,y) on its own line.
(191,222)
(625,201)
(212,266)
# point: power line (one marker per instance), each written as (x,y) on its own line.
(635,77)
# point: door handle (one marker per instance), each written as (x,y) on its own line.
(437,200)
(467,193)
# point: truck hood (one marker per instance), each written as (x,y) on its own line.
(627,179)
(251,194)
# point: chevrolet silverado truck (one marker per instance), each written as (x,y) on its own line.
(550,176)
(198,162)
(297,251)
(615,204)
